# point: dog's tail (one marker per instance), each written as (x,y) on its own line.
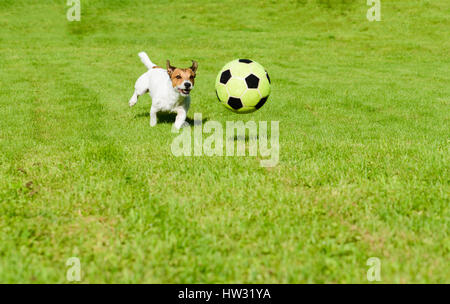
(146,61)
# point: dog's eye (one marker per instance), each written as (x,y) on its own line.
(178,77)
(192,77)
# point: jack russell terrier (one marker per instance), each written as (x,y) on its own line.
(169,89)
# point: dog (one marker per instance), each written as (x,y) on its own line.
(169,89)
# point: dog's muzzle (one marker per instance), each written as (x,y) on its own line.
(184,91)
(187,88)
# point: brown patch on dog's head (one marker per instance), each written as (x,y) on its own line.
(180,76)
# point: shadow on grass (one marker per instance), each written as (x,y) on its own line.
(167,117)
(245,138)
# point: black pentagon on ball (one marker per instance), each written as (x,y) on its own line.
(226,75)
(235,103)
(252,81)
(245,60)
(268,78)
(261,102)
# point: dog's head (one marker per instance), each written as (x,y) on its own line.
(183,80)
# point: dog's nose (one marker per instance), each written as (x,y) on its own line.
(187,85)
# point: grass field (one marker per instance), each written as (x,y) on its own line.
(364,144)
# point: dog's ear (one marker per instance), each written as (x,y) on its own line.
(194,66)
(170,68)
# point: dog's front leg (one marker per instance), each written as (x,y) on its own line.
(180,120)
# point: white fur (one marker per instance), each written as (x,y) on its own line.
(165,98)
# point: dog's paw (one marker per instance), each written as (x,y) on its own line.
(153,123)
(132,102)
(178,126)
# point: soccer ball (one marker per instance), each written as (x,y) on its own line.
(243,86)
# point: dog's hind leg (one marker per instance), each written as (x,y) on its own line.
(153,117)
(133,99)
(140,88)
(136,95)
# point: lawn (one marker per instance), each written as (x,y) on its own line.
(363,111)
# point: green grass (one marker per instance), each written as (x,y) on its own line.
(364,138)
